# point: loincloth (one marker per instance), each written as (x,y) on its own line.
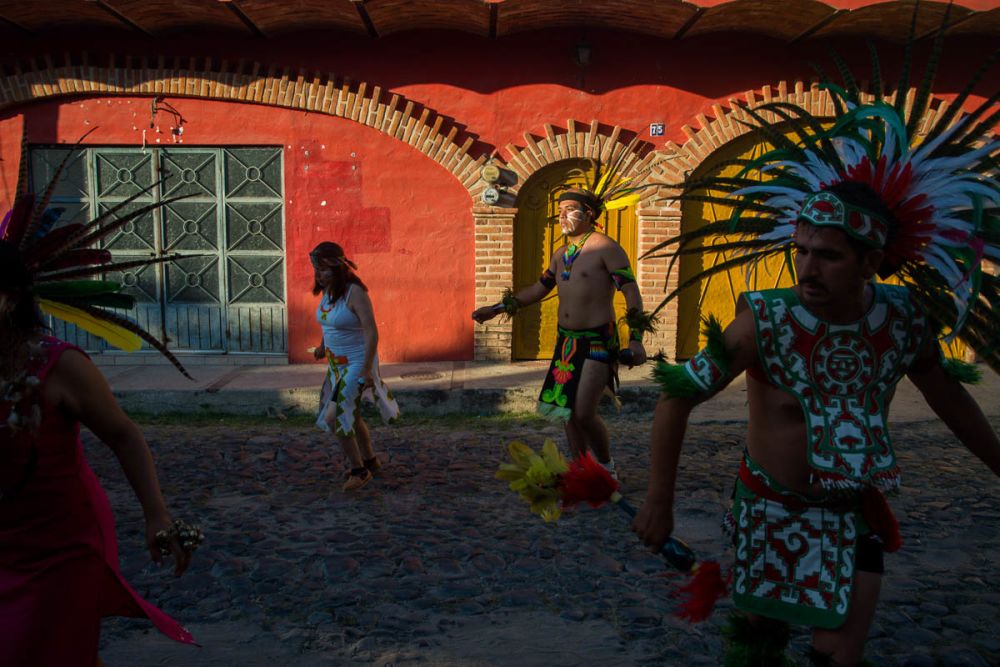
(573,348)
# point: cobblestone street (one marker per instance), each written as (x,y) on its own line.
(436,563)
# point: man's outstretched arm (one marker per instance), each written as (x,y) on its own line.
(731,356)
(533,293)
(958,410)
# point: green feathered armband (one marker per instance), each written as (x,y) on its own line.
(508,306)
(622,277)
(639,322)
(962,371)
(704,374)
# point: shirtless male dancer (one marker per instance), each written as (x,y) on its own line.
(586,270)
(822,360)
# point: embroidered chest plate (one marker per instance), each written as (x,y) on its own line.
(842,376)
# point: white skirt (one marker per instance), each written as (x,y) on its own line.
(341,394)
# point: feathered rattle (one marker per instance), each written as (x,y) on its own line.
(549,484)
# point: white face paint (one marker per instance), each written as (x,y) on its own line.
(573,218)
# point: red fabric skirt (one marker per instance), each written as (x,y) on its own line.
(59,572)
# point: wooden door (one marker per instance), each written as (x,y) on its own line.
(537,236)
(717,294)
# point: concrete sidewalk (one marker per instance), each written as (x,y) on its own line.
(425,388)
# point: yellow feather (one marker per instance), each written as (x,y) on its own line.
(117,336)
(622,202)
(602,182)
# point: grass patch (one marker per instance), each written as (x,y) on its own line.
(501,420)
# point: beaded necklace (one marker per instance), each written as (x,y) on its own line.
(571,253)
(323,310)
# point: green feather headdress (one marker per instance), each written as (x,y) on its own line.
(936,195)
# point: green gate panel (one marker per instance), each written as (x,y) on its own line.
(225,291)
(253,173)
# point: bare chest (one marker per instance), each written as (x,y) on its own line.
(587,267)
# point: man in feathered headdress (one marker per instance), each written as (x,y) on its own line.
(587,271)
(850,200)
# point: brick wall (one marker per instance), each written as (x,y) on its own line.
(494,273)
(656,226)
(443,141)
(251,83)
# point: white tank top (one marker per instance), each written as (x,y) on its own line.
(342,331)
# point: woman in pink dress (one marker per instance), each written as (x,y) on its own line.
(59,572)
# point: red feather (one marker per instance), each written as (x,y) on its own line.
(701,593)
(587,481)
(16,222)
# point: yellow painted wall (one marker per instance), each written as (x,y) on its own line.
(717,294)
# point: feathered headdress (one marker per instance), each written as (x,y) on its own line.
(607,189)
(65,268)
(930,201)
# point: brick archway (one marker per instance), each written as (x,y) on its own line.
(439,139)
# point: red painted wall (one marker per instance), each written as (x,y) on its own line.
(404,219)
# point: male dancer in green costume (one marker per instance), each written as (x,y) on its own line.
(866,198)
(782,487)
(586,270)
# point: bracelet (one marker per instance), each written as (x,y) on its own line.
(508,305)
(639,322)
(189,536)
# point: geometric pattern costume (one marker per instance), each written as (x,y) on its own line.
(842,375)
(795,557)
(340,397)
(921,188)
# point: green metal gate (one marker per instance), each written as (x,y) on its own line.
(226,290)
